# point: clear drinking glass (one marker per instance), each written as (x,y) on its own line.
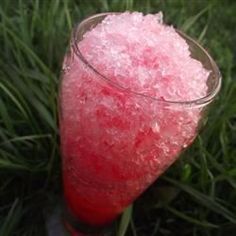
(116,142)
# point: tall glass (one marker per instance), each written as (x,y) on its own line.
(115,142)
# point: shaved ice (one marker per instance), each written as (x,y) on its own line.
(123,121)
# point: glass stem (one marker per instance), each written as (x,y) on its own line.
(75,232)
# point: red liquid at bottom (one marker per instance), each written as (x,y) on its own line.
(101,179)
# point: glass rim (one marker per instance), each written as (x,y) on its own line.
(196,102)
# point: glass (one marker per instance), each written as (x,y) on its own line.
(116,142)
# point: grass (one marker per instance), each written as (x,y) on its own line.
(195,197)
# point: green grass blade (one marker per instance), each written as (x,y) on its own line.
(203,33)
(125,220)
(29,51)
(129,5)
(192,20)
(13,98)
(5,117)
(13,217)
(33,137)
(205,200)
(8,165)
(190,219)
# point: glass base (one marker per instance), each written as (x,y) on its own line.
(54,223)
(61,223)
(74,226)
